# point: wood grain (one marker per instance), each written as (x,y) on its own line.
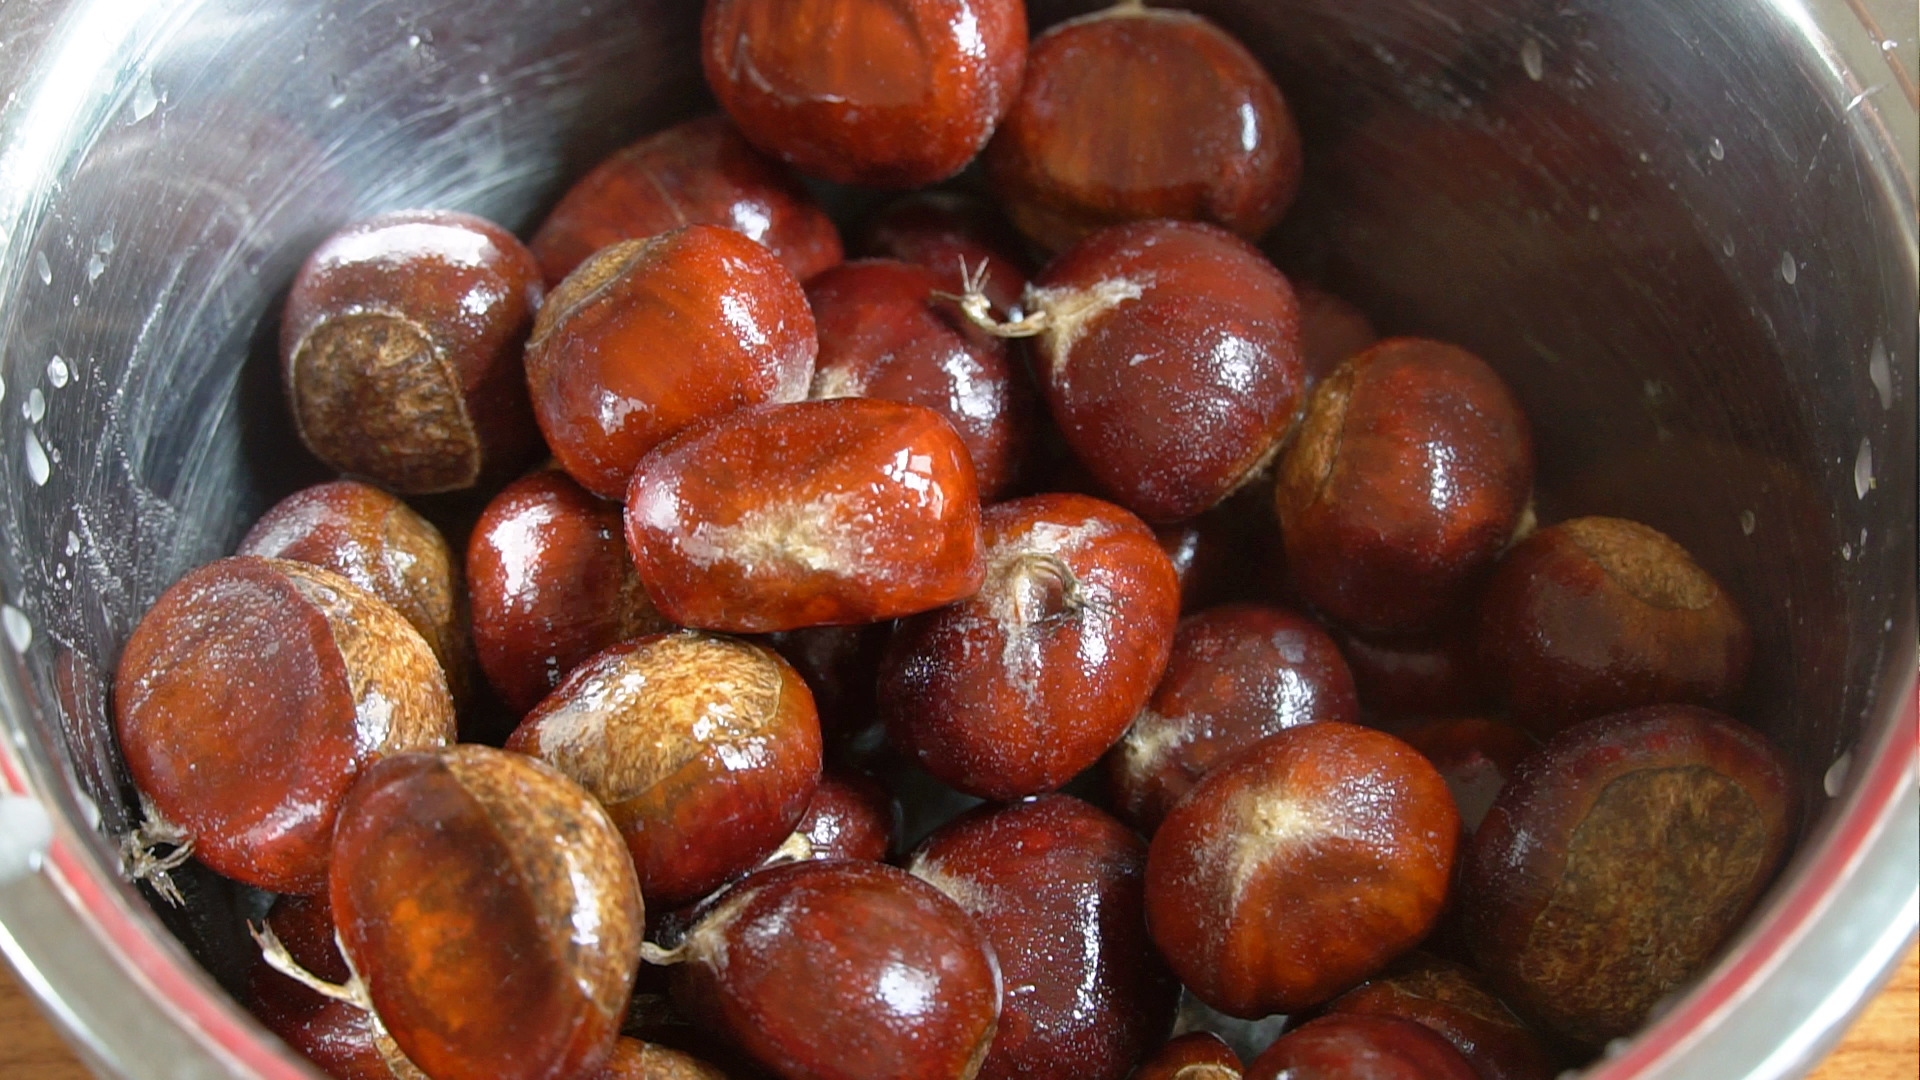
(1884,1043)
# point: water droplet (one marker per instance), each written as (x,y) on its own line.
(1881,372)
(1747,522)
(19,629)
(95,267)
(58,373)
(1593,213)
(42,267)
(1789,270)
(1727,246)
(145,100)
(1846,551)
(104,243)
(1646,158)
(73,543)
(413,41)
(1717,149)
(1532,59)
(35,407)
(336,101)
(3,389)
(39,469)
(1836,777)
(1863,469)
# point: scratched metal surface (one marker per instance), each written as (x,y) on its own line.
(1683,231)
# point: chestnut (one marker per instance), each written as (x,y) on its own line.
(873,92)
(842,666)
(1596,615)
(634,1059)
(958,237)
(1475,755)
(705,750)
(1015,690)
(851,816)
(843,970)
(1299,866)
(253,693)
(648,336)
(1169,354)
(1133,113)
(400,350)
(1057,886)
(469,869)
(552,584)
(1405,482)
(380,544)
(1237,673)
(885,334)
(848,510)
(1418,675)
(340,1039)
(1360,1046)
(1197,1055)
(700,172)
(1449,999)
(1618,859)
(1330,329)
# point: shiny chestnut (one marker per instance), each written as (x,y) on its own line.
(1300,866)
(1134,113)
(848,510)
(400,350)
(1057,885)
(649,336)
(552,584)
(869,92)
(250,697)
(1405,482)
(1018,688)
(700,172)
(705,750)
(1237,673)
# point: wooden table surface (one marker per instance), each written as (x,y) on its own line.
(1884,1043)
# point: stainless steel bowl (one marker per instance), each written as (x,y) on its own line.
(1684,231)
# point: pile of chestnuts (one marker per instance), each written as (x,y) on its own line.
(1031,649)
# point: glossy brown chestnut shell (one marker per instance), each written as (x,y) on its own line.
(1300,866)
(1170,359)
(400,350)
(844,970)
(1134,113)
(552,584)
(1449,998)
(705,750)
(697,173)
(250,697)
(1058,886)
(491,910)
(1015,690)
(869,92)
(1350,1046)
(785,516)
(1618,859)
(648,336)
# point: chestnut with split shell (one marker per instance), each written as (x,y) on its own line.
(251,696)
